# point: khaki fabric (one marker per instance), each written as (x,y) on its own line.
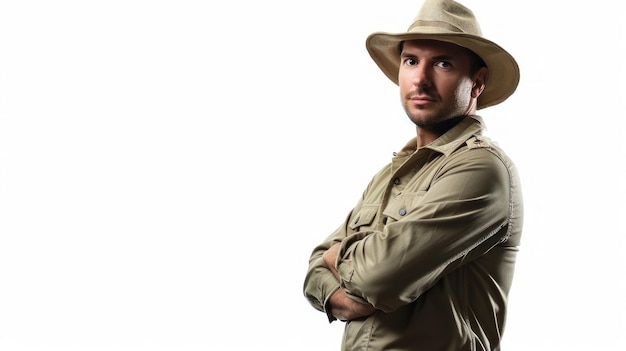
(432,244)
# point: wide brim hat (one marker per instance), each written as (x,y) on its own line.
(449,21)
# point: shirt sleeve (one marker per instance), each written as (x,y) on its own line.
(320,283)
(462,215)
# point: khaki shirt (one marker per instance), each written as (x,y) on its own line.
(432,245)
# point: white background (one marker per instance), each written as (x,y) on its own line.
(166,167)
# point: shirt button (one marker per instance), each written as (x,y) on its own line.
(402,212)
(396,181)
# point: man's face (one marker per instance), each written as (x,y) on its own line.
(435,82)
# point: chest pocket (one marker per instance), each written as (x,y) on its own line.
(403,205)
(364,218)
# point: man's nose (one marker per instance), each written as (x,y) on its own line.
(422,76)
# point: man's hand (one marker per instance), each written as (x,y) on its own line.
(345,308)
(341,306)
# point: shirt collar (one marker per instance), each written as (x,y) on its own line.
(452,139)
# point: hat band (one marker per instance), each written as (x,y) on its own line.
(435,24)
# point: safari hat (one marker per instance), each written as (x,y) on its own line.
(449,21)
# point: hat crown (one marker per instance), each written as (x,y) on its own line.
(447,16)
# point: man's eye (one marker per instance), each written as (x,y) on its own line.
(444,64)
(410,62)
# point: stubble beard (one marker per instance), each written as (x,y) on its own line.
(436,121)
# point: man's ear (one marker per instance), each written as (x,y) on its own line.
(480,79)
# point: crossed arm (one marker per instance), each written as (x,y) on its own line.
(341,306)
(472,215)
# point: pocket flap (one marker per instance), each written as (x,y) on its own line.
(403,205)
(364,217)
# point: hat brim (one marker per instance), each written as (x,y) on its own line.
(504,72)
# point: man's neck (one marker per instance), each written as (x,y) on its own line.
(428,134)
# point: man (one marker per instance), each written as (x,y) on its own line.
(425,260)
